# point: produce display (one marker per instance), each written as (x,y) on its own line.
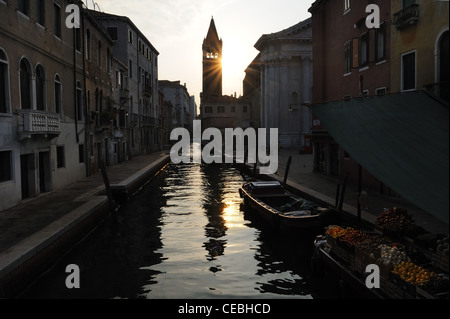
(392,255)
(442,245)
(396,218)
(402,258)
(349,236)
(412,273)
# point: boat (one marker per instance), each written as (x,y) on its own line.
(282,209)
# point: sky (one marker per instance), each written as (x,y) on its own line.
(177,28)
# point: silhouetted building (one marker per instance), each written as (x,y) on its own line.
(217,110)
(286,84)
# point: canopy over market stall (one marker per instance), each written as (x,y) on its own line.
(401,139)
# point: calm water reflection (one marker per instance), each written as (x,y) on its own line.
(184,235)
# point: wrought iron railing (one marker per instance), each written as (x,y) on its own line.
(406,16)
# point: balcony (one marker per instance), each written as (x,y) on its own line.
(147,89)
(31,122)
(406,17)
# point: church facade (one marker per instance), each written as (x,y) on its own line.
(285,63)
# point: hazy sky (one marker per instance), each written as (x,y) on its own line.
(176,28)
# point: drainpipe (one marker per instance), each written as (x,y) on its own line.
(75,84)
(87,126)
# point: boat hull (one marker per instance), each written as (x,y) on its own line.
(299,225)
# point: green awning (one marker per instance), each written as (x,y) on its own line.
(401,139)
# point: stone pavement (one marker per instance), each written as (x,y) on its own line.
(302,177)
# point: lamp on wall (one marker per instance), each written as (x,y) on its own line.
(293,107)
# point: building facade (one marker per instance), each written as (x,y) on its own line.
(179,97)
(42,119)
(420,46)
(286,84)
(133,49)
(350,61)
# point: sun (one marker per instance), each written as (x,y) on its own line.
(234,63)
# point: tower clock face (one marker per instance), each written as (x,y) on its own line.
(212,55)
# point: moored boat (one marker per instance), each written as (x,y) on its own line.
(284,210)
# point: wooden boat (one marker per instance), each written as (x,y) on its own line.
(282,209)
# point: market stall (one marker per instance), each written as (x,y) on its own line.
(412,262)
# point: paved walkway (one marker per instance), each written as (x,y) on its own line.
(301,176)
(36,224)
(33,214)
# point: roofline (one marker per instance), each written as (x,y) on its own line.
(315,5)
(101,15)
(267,37)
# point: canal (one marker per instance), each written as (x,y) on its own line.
(184,235)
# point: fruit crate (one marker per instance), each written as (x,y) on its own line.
(394,291)
(407,287)
(338,250)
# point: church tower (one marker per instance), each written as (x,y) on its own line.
(212,62)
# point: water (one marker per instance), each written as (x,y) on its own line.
(185,235)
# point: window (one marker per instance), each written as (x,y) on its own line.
(97,100)
(108,60)
(380,91)
(40,12)
(380,42)
(58,94)
(4,83)
(221,109)
(57,19)
(233,109)
(99,54)
(244,109)
(79,102)
(78,39)
(130,36)
(24,6)
(347,5)
(5,166)
(88,44)
(25,85)
(81,153)
(130,69)
(60,157)
(40,88)
(208,109)
(100,102)
(409,71)
(348,57)
(364,50)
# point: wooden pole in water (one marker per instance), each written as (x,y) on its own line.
(107,185)
(286,173)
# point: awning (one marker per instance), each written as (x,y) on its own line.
(401,139)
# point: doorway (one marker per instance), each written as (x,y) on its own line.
(45,178)
(28,175)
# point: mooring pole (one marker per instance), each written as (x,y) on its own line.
(286,173)
(107,185)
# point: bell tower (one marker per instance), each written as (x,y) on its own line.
(212,62)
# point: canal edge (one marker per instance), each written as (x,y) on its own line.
(21,264)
